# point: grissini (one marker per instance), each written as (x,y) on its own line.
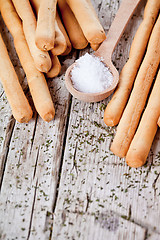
(132,113)
(56,67)
(87,20)
(42,59)
(45,31)
(72,26)
(60,43)
(115,108)
(21,109)
(94,46)
(36,80)
(62,29)
(142,141)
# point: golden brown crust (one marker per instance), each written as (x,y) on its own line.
(72,26)
(132,113)
(115,108)
(45,31)
(56,67)
(142,141)
(41,58)
(36,80)
(20,107)
(87,20)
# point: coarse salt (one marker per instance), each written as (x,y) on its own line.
(90,75)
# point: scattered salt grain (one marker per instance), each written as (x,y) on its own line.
(90,75)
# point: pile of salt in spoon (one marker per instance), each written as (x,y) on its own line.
(91,75)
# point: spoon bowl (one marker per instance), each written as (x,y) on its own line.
(91,97)
(105,51)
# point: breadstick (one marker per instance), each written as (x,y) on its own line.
(142,141)
(94,46)
(36,80)
(45,31)
(114,110)
(132,113)
(21,109)
(41,58)
(87,20)
(60,44)
(56,67)
(73,28)
(62,29)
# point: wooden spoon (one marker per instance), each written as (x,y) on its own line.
(105,51)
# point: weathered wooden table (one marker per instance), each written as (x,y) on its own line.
(59,180)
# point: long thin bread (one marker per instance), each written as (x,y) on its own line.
(45,31)
(94,46)
(21,109)
(142,141)
(72,26)
(42,59)
(56,67)
(60,44)
(62,29)
(115,108)
(36,80)
(87,20)
(132,113)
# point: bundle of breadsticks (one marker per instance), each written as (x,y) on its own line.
(136,116)
(42,30)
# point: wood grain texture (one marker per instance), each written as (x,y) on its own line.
(59,180)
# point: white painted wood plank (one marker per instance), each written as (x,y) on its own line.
(104,226)
(153,236)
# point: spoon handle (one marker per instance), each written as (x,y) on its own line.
(118,26)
